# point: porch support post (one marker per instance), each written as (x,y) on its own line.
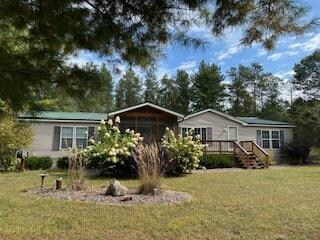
(157,128)
(136,124)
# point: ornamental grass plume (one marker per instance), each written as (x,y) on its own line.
(76,171)
(152,161)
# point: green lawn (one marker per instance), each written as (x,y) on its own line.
(251,204)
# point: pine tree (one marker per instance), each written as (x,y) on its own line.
(168,93)
(183,90)
(128,91)
(208,90)
(151,88)
(307,76)
(273,107)
(38,36)
(239,98)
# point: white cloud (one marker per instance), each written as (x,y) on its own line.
(188,65)
(277,56)
(229,52)
(262,52)
(284,74)
(82,57)
(310,45)
(162,70)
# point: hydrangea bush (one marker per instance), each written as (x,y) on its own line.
(185,151)
(111,146)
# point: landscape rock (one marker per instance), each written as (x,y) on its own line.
(117,189)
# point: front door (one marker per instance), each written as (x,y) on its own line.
(232,135)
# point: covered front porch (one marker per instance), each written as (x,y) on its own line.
(148,119)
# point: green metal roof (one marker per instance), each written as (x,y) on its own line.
(258,121)
(84,116)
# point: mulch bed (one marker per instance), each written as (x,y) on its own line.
(97,195)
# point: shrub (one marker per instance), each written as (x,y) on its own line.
(35,163)
(111,148)
(152,162)
(62,163)
(296,153)
(13,135)
(218,161)
(184,150)
(125,167)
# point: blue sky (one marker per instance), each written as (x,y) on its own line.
(227,52)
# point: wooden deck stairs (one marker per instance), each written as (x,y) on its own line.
(248,153)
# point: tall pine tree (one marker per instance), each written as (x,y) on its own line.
(183,91)
(208,89)
(168,93)
(151,93)
(128,91)
(241,103)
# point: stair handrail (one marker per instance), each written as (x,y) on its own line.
(239,146)
(265,158)
(244,159)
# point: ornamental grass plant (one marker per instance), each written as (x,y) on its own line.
(152,162)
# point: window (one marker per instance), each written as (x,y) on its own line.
(233,133)
(73,137)
(275,139)
(202,132)
(66,137)
(81,137)
(270,138)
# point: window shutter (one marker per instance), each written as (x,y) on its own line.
(180,132)
(56,138)
(281,138)
(259,138)
(209,133)
(90,132)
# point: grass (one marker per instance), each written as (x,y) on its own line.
(250,204)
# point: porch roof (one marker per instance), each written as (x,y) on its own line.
(259,121)
(145,104)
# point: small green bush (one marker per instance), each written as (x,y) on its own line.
(13,136)
(217,161)
(35,163)
(62,163)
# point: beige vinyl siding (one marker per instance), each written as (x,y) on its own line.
(42,144)
(220,124)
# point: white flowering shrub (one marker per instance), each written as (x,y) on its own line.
(111,146)
(185,151)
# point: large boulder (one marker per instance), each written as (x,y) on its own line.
(116,189)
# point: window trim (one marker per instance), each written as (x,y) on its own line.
(270,138)
(188,128)
(74,135)
(230,126)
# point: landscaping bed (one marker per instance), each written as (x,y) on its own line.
(97,195)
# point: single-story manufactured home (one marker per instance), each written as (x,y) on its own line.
(54,132)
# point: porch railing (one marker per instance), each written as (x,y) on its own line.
(228,147)
(258,151)
(219,146)
(245,151)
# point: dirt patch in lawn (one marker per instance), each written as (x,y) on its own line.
(97,195)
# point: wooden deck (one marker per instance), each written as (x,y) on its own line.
(248,153)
